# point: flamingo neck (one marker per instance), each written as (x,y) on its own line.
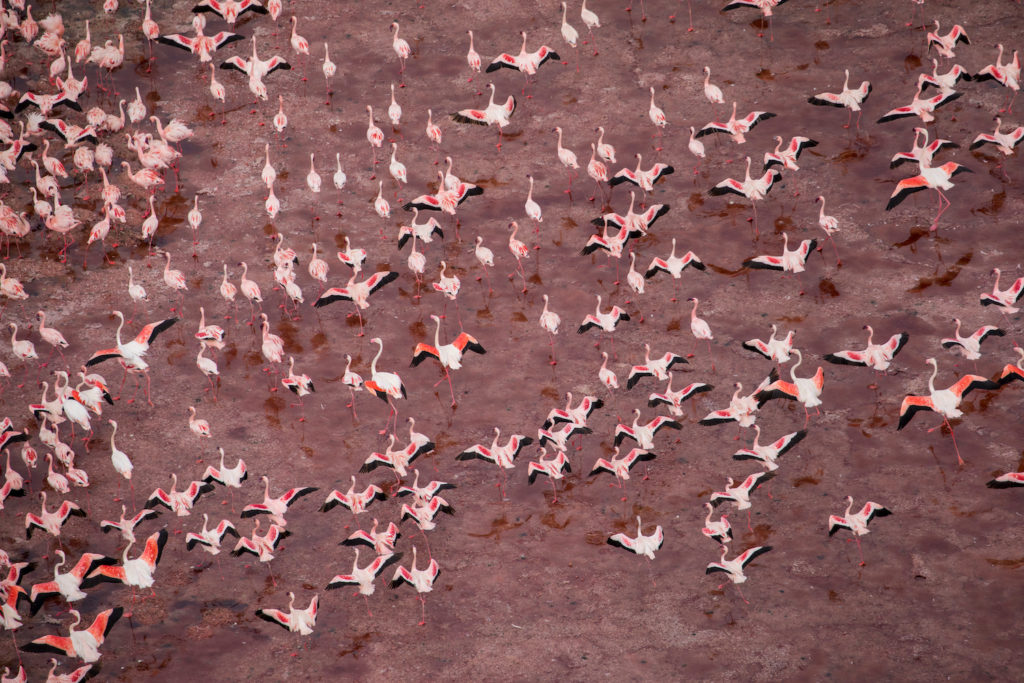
(931,380)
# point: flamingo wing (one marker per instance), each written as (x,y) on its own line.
(847,358)
(835,523)
(159,496)
(754,118)
(105,573)
(330,296)
(765,262)
(895,344)
(777,389)
(378,280)
(422,352)
(503,60)
(713,127)
(911,405)
(401,575)
(623,541)
(149,333)
(747,556)
(897,113)
(223,38)
(545,53)
(624,175)
(154,548)
(275,63)
(425,202)
(1008,480)
(466,341)
(784,443)
(472,116)
(275,616)
(477,451)
(718,417)
(969,383)
(872,510)
(59,644)
(906,187)
(726,186)
(179,41)
(637,455)
(102,355)
(103,622)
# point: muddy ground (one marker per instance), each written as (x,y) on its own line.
(528,588)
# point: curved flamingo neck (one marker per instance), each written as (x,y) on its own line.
(799,360)
(931,380)
(373,364)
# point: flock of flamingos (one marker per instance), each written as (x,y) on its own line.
(56,145)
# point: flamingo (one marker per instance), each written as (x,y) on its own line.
(276,507)
(566,156)
(787,157)
(299,621)
(734,568)
(519,251)
(263,546)
(946,82)
(229,10)
(857,522)
(591,21)
(180,502)
(791,260)
(945,402)
(374,135)
(364,576)
(329,68)
(1004,299)
(137,573)
(850,98)
(1004,142)
(700,330)
(126,526)
(656,115)
(935,178)
(424,494)
(472,57)
(736,128)
(353,381)
(559,438)
(742,409)
(604,150)
(449,355)
(774,349)
(382,542)
(82,643)
(970,346)
(401,48)
(228,477)
(385,385)
(420,579)
(674,399)
(210,539)
(502,456)
(201,44)
(280,119)
(423,514)
(721,530)
(674,265)
(754,189)
(357,292)
(494,114)
(131,354)
(549,322)
(66,584)
(1007,75)
(312,178)
(398,460)
(300,385)
(711,91)
(199,427)
(696,148)
(806,390)
(532,208)
(606,376)
(657,367)
(597,171)
(643,434)
(740,495)
(620,465)
(769,454)
(922,107)
(875,356)
(643,179)
(525,62)
(944,44)
(603,321)
(640,544)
